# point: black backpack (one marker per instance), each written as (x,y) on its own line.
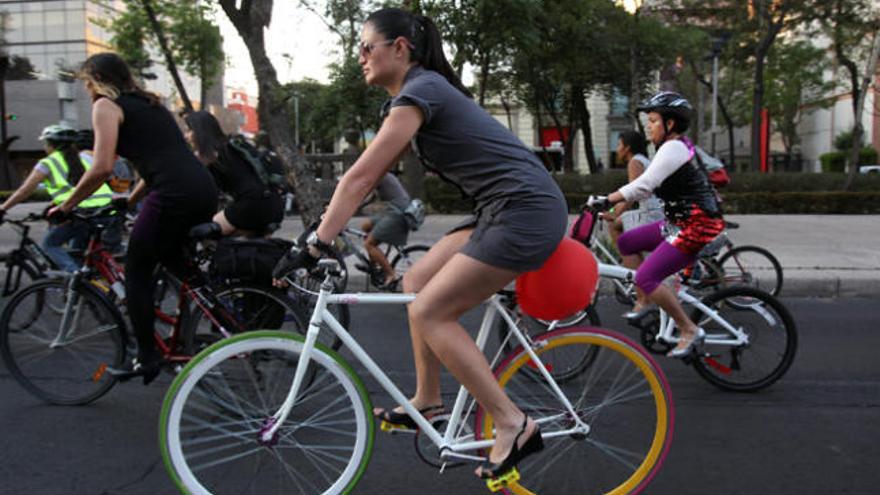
(268,168)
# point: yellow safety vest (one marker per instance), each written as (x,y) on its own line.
(60,189)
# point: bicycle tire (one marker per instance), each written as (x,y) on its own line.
(738,368)
(74,371)
(707,277)
(624,398)
(407,257)
(20,273)
(752,266)
(218,404)
(253,308)
(532,327)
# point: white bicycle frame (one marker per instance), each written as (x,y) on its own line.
(667,324)
(449,445)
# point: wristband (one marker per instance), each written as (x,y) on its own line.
(322,246)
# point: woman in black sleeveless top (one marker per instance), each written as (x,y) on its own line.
(179,191)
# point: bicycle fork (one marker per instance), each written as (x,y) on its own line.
(71,315)
(270,427)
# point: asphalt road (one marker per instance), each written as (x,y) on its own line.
(817,431)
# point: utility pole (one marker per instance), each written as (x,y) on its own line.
(4,145)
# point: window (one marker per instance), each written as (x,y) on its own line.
(33,27)
(14,32)
(55,26)
(76,24)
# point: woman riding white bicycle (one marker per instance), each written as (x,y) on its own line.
(519,220)
(693,215)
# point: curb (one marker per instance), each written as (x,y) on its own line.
(818,286)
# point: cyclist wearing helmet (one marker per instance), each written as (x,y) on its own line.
(59,171)
(133,123)
(693,215)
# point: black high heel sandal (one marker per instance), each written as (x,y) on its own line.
(534,444)
(403,421)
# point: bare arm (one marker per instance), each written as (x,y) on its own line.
(24,190)
(669,158)
(140,189)
(106,118)
(633,170)
(394,136)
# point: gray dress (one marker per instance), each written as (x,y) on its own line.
(520,213)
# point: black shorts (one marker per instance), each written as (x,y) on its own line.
(256,214)
(516,234)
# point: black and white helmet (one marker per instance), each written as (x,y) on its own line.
(670,105)
(58,133)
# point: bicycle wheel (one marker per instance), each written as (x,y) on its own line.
(253,308)
(704,277)
(20,274)
(565,365)
(407,257)
(62,357)
(216,408)
(752,266)
(772,340)
(623,397)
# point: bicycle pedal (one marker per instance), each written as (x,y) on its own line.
(504,481)
(393,428)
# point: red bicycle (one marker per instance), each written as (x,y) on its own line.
(59,336)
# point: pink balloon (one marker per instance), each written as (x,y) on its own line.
(563,286)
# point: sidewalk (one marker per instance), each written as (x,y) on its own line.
(821,255)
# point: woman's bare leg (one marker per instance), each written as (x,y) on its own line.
(462,284)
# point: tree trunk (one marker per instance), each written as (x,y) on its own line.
(169,58)
(484,78)
(859,102)
(584,115)
(506,106)
(249,20)
(761,51)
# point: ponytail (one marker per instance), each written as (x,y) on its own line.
(75,169)
(426,44)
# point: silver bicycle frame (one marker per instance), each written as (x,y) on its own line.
(447,443)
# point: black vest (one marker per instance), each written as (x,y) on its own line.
(689,186)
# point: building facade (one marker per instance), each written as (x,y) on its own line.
(61,34)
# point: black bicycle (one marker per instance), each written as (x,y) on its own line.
(28,262)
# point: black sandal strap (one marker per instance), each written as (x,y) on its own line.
(404,419)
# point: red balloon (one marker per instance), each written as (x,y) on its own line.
(563,286)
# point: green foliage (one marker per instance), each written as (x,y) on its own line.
(194,39)
(794,77)
(315,117)
(826,202)
(790,192)
(835,161)
(843,141)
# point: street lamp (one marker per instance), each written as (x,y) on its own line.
(718,42)
(633,7)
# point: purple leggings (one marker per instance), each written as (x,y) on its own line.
(663,261)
